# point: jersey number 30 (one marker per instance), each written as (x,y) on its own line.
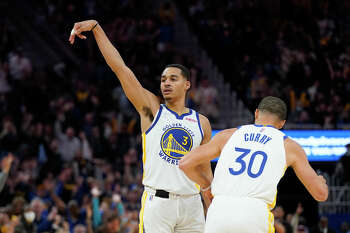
(243,164)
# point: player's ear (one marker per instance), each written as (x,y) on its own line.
(187,85)
(256,114)
(281,124)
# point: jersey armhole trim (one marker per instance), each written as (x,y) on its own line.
(199,124)
(285,137)
(156,120)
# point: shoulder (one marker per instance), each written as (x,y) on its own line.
(294,151)
(203,120)
(222,137)
(291,145)
(206,127)
(226,133)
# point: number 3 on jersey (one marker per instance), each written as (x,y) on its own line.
(243,165)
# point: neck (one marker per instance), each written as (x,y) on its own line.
(266,122)
(177,106)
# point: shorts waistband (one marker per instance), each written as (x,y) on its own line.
(165,194)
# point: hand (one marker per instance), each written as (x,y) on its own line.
(52,215)
(116,198)
(95,192)
(6,162)
(80,27)
(88,212)
(207,197)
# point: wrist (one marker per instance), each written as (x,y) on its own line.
(206,188)
(94,24)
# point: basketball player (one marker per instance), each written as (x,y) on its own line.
(253,158)
(171,201)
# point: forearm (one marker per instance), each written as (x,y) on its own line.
(109,52)
(205,171)
(131,86)
(200,176)
(58,201)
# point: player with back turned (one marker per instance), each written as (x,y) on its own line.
(253,159)
(171,201)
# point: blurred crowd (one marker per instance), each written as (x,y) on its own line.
(74,135)
(295,49)
(296,223)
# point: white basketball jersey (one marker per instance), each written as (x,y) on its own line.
(168,139)
(251,164)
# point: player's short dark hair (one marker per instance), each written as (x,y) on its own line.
(274,106)
(184,71)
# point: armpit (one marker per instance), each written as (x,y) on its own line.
(148,113)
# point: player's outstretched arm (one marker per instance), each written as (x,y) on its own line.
(140,97)
(297,159)
(203,154)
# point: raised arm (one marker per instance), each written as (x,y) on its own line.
(142,99)
(297,159)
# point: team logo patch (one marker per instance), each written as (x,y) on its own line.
(176,142)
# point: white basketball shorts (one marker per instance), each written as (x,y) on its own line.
(238,215)
(175,214)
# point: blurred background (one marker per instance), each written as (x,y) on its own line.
(76,138)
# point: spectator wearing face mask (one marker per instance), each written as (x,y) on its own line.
(26,222)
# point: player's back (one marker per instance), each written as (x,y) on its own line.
(251,164)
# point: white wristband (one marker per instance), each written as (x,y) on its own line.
(206,189)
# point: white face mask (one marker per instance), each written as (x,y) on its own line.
(29,216)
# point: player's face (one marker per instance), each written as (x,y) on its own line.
(172,84)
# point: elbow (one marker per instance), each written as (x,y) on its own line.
(322,195)
(183,165)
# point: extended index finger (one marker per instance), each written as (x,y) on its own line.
(74,32)
(71,38)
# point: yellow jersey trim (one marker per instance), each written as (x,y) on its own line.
(143,200)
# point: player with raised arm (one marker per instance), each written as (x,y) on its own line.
(171,201)
(253,159)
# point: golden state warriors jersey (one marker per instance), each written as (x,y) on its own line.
(168,139)
(251,164)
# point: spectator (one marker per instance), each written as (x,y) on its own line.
(294,219)
(5,165)
(322,226)
(112,225)
(20,67)
(43,219)
(69,145)
(342,170)
(344,228)
(279,213)
(26,222)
